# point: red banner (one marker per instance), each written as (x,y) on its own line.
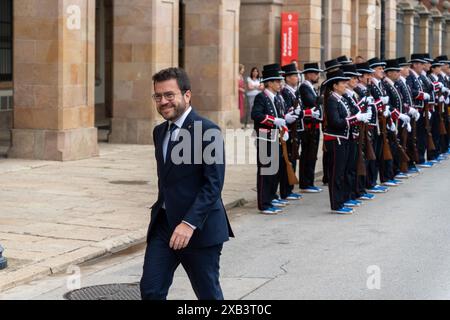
(289,37)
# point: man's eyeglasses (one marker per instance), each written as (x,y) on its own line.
(169,96)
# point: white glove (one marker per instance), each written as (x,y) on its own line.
(392,127)
(417,116)
(429,115)
(447,101)
(442,99)
(279,122)
(298,111)
(386,112)
(385,99)
(285,134)
(368,100)
(315,114)
(363,117)
(404,118)
(413,113)
(445,90)
(408,126)
(290,117)
(426,96)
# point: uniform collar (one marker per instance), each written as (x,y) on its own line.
(270,94)
(414,73)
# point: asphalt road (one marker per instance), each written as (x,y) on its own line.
(394,247)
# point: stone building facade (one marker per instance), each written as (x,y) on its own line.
(69,67)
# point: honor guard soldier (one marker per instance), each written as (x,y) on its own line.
(409,108)
(421,98)
(371,130)
(355,145)
(444,78)
(432,103)
(294,120)
(337,123)
(439,130)
(398,167)
(382,148)
(310,136)
(269,118)
(330,66)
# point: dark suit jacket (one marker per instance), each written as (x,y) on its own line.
(192,192)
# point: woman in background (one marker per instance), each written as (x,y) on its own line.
(254,87)
(242,93)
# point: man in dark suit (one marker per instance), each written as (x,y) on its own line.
(188,221)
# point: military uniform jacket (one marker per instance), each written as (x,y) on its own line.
(362,91)
(264,113)
(352,103)
(395,99)
(428,88)
(290,99)
(337,114)
(405,94)
(309,97)
(415,85)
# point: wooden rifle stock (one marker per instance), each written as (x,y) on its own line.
(295,142)
(441,113)
(404,158)
(430,142)
(387,154)
(292,178)
(361,165)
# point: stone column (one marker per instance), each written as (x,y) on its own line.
(408,37)
(145,41)
(437,35)
(391,29)
(310,17)
(342,34)
(259,32)
(327,30)
(367,28)
(424,30)
(447,29)
(211,57)
(54,80)
(355,18)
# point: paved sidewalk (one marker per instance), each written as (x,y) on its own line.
(54,215)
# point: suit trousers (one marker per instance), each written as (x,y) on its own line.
(338,162)
(267,184)
(201,265)
(435,124)
(421,139)
(351,176)
(285,188)
(308,157)
(373,165)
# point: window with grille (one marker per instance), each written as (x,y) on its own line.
(6,40)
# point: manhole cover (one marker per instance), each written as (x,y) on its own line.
(126,291)
(130,183)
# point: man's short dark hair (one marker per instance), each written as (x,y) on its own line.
(174,73)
